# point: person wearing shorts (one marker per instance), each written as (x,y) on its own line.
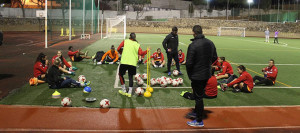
(244,83)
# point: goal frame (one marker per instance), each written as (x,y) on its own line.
(110,29)
(242,29)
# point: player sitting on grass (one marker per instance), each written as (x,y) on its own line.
(181,58)
(55,80)
(41,67)
(270,74)
(65,64)
(76,55)
(130,55)
(226,69)
(211,89)
(216,65)
(244,83)
(158,59)
(111,56)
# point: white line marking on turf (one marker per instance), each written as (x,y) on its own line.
(149,130)
(221,107)
(253,64)
(117,78)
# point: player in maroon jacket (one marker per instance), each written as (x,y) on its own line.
(41,67)
(216,65)
(270,75)
(226,69)
(181,57)
(77,56)
(244,83)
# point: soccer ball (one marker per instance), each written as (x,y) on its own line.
(175,83)
(139,91)
(175,72)
(87,89)
(66,102)
(163,83)
(144,76)
(158,80)
(169,81)
(137,76)
(140,82)
(164,78)
(153,81)
(105,103)
(180,81)
(81,78)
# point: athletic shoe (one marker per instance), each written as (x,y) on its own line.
(182,93)
(236,90)
(72,73)
(128,95)
(191,115)
(86,53)
(87,83)
(74,68)
(169,73)
(253,84)
(195,123)
(122,93)
(223,88)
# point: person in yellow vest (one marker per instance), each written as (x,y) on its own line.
(130,55)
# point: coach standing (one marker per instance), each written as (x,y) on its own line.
(170,44)
(200,56)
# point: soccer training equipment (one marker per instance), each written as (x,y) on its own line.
(231,31)
(105,103)
(81,78)
(169,81)
(33,81)
(163,83)
(180,81)
(147,94)
(87,89)
(65,102)
(139,91)
(153,81)
(175,83)
(144,76)
(56,94)
(137,76)
(175,72)
(140,82)
(116,27)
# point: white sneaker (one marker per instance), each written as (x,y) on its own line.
(155,66)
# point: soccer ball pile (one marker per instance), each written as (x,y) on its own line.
(140,79)
(164,81)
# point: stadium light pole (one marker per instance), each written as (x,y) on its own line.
(70,20)
(278,12)
(227,9)
(249,2)
(207,4)
(46,24)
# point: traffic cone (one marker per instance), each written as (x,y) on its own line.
(67,32)
(62,32)
(73,32)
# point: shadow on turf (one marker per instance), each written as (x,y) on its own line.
(4,76)
(205,115)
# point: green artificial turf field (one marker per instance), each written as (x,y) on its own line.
(254,53)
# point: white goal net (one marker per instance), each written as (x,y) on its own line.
(116,27)
(231,31)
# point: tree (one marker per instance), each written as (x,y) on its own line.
(40,3)
(138,6)
(64,5)
(19,3)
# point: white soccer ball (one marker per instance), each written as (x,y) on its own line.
(140,82)
(163,83)
(164,78)
(137,76)
(158,80)
(139,91)
(144,76)
(180,81)
(175,83)
(153,81)
(105,103)
(66,102)
(81,78)
(169,81)
(175,72)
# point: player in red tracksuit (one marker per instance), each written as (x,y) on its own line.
(217,65)
(64,63)
(158,59)
(270,75)
(181,57)
(77,56)
(226,69)
(40,67)
(242,84)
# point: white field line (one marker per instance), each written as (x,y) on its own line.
(253,64)
(117,77)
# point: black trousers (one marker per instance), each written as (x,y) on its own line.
(276,39)
(173,55)
(131,72)
(262,80)
(198,87)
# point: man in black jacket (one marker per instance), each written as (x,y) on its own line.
(200,56)
(170,44)
(55,80)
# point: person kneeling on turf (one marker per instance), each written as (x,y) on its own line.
(242,84)
(76,55)
(270,74)
(41,67)
(226,69)
(111,56)
(158,59)
(55,80)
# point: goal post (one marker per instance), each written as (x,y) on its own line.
(232,31)
(116,27)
